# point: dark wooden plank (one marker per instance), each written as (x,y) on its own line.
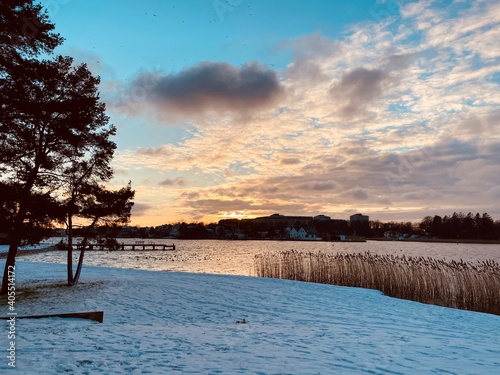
(97,316)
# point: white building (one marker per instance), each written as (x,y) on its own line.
(301,234)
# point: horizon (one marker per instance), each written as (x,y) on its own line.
(305,215)
(241,109)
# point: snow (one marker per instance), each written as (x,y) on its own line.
(171,322)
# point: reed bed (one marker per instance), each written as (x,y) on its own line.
(460,285)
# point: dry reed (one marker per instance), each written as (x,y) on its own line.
(453,284)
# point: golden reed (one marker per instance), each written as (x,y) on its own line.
(460,285)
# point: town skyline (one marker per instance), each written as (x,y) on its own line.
(319,217)
(357,228)
(241,109)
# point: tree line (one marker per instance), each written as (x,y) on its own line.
(463,226)
(455,226)
(55,138)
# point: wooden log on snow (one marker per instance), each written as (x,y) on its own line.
(97,316)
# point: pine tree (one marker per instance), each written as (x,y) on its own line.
(54,133)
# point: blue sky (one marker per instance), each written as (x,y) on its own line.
(243,108)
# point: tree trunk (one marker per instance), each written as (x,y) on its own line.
(9,265)
(79,267)
(80,261)
(15,235)
(70,250)
(15,241)
(75,279)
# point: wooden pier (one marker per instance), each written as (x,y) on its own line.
(131,247)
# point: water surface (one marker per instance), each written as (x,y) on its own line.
(237,257)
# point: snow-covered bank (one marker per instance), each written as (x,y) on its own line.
(166,322)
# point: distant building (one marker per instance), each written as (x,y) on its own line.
(302,234)
(279,226)
(322,218)
(277,219)
(292,233)
(232,223)
(328,228)
(359,224)
(359,218)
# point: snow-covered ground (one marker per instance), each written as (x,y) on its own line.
(167,323)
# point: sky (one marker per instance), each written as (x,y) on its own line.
(245,108)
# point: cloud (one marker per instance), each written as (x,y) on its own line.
(494,192)
(178,181)
(222,207)
(359,88)
(356,193)
(290,161)
(309,52)
(318,186)
(477,125)
(394,120)
(190,195)
(313,46)
(398,62)
(449,176)
(140,209)
(208,87)
(425,195)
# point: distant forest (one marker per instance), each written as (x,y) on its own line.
(455,226)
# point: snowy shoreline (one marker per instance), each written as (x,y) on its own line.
(170,322)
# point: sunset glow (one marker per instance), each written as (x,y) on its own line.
(390,108)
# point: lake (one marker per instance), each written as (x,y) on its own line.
(237,257)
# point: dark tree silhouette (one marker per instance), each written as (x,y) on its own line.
(88,166)
(81,180)
(53,117)
(468,227)
(99,206)
(426,224)
(436,226)
(40,212)
(487,227)
(25,32)
(461,226)
(54,133)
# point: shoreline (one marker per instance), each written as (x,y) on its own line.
(438,240)
(31,252)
